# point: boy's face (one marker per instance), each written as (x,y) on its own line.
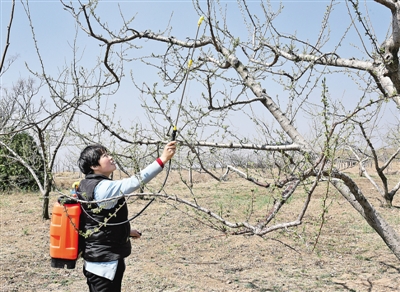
(106,165)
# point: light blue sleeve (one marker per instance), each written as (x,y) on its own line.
(110,188)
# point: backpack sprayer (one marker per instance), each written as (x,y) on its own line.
(64,231)
(64,228)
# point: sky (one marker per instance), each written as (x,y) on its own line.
(55,30)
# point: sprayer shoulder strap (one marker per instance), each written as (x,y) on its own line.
(86,187)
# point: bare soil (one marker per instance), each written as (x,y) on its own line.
(179,253)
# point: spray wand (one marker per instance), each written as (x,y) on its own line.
(175,128)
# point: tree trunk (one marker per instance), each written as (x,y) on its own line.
(355,197)
(46,200)
(388,200)
(46,196)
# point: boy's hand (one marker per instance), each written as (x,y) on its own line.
(135,234)
(169,151)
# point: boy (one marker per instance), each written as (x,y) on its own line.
(105,248)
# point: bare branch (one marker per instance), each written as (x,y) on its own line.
(3,58)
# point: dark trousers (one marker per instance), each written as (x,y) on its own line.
(100,284)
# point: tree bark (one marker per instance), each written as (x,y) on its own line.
(355,197)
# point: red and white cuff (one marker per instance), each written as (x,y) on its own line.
(160,162)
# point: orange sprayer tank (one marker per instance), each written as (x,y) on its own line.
(64,233)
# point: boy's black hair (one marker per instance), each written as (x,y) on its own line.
(90,156)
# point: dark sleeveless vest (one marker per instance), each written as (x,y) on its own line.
(110,242)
